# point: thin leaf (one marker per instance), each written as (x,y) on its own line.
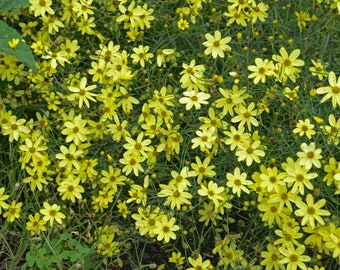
(22,51)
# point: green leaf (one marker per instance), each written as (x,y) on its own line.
(70,254)
(11,4)
(22,51)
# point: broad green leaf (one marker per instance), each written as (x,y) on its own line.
(22,51)
(12,4)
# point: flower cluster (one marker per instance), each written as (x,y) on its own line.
(205,131)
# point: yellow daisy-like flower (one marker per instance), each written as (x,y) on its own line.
(304,127)
(216,45)
(294,258)
(165,229)
(332,91)
(182,24)
(40,7)
(212,191)
(51,213)
(70,189)
(311,211)
(261,69)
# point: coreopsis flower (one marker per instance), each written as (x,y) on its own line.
(288,236)
(15,128)
(304,127)
(309,156)
(216,45)
(141,55)
(70,189)
(83,8)
(261,70)
(288,64)
(36,225)
(194,99)
(182,24)
(201,169)
(3,198)
(13,211)
(82,93)
(246,115)
(205,139)
(76,130)
(13,43)
(271,258)
(294,257)
(176,196)
(212,191)
(310,211)
(302,17)
(198,263)
(40,7)
(332,91)
(52,213)
(238,182)
(318,69)
(165,229)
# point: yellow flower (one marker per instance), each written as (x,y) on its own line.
(310,211)
(271,258)
(75,130)
(238,182)
(141,55)
(51,213)
(13,43)
(82,93)
(304,127)
(288,64)
(132,162)
(3,198)
(332,91)
(35,225)
(175,195)
(165,228)
(15,128)
(302,17)
(201,169)
(13,211)
(261,69)
(40,7)
(69,157)
(194,99)
(288,236)
(298,176)
(209,214)
(176,257)
(246,115)
(294,258)
(212,191)
(250,151)
(205,140)
(318,69)
(138,147)
(182,24)
(309,156)
(198,263)
(70,189)
(216,45)
(83,8)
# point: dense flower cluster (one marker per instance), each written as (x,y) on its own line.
(205,129)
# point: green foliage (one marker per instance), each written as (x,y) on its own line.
(12,4)
(22,51)
(60,252)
